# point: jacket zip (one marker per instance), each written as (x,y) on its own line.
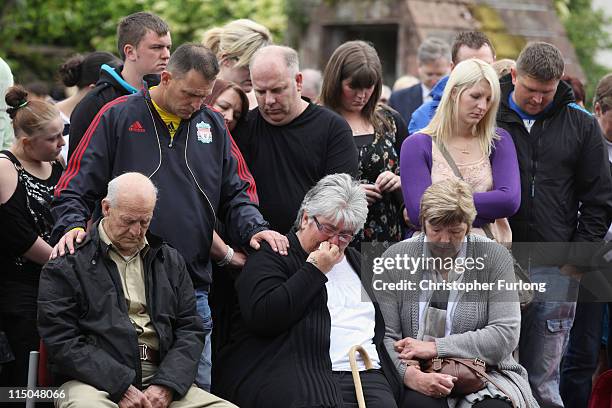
(214,213)
(114,272)
(534,168)
(149,282)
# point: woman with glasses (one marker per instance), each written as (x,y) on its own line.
(300,314)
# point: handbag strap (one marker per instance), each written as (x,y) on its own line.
(499,387)
(449,159)
(486,377)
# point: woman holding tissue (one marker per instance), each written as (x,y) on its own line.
(300,314)
(352,84)
(440,319)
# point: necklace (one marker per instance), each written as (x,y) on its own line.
(463,150)
(358,124)
(361,129)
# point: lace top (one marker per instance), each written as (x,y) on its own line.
(479,176)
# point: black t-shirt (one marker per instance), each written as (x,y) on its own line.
(286,161)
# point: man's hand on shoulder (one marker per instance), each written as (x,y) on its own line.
(278,242)
(75,235)
(134,398)
(158,395)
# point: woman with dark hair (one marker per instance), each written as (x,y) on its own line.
(82,72)
(28,174)
(352,84)
(229,99)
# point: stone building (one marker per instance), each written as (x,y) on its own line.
(397,27)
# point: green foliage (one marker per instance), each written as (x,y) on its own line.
(38,34)
(586,30)
(299,13)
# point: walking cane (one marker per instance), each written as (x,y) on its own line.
(355,372)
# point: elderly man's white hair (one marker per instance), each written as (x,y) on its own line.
(130,183)
(338,198)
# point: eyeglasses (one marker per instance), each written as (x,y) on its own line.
(332,232)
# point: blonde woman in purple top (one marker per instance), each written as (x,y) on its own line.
(464,126)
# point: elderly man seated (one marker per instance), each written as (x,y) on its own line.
(119,315)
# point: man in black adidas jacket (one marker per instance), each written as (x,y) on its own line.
(564,169)
(184,148)
(143,41)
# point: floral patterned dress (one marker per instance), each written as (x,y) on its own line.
(378,153)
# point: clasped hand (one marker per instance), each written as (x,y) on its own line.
(155,396)
(386,182)
(412,349)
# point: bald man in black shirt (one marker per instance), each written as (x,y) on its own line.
(289,144)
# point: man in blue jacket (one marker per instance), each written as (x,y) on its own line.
(184,148)
(469,44)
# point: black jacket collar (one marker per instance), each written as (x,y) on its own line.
(93,238)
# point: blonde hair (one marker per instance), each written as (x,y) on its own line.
(503,66)
(237,39)
(446,203)
(445,122)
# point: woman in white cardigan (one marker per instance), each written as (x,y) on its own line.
(435,315)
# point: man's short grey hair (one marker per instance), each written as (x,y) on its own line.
(313,80)
(541,61)
(190,56)
(114,186)
(338,198)
(433,49)
(290,56)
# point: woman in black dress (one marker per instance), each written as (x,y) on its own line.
(28,174)
(352,84)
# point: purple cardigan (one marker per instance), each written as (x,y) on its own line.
(503,201)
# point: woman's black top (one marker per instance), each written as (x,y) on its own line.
(278,351)
(380,152)
(24,217)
